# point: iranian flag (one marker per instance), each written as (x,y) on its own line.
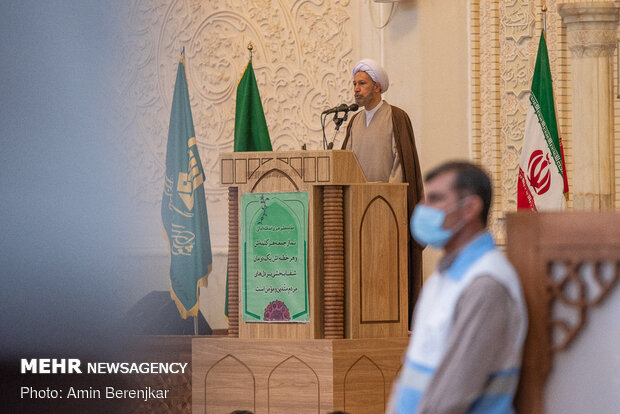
(542,173)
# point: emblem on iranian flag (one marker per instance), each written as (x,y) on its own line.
(542,179)
(538,174)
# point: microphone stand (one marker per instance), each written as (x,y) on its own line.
(323,118)
(338,122)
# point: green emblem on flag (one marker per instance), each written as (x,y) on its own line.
(184,207)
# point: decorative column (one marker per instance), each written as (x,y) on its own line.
(233,262)
(591,34)
(333,261)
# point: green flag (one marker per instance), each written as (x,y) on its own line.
(184,207)
(251,132)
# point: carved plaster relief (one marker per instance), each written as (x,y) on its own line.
(302,56)
(518,20)
(505,36)
(592,42)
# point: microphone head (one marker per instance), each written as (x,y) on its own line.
(354,107)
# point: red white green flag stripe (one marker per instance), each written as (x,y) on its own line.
(542,173)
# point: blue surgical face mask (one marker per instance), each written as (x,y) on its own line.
(426,226)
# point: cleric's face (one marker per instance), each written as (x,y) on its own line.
(365,89)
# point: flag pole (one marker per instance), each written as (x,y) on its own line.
(250,49)
(544,16)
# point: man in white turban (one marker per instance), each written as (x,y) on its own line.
(382,139)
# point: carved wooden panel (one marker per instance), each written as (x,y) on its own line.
(576,287)
(311,167)
(364,386)
(293,377)
(364,373)
(568,263)
(241,386)
(275,180)
(275,174)
(310,376)
(376,261)
(379,263)
(274,367)
(290,171)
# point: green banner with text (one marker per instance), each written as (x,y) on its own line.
(274,238)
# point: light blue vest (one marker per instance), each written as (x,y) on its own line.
(433,322)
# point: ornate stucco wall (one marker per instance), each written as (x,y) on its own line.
(302,55)
(504,41)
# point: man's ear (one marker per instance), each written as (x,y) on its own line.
(377,87)
(473,207)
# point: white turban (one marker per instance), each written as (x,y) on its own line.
(374,70)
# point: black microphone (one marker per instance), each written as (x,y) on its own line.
(342,108)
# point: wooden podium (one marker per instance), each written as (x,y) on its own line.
(348,354)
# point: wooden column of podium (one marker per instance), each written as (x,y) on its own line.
(349,353)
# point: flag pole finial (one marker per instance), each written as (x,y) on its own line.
(250,49)
(183,51)
(544,16)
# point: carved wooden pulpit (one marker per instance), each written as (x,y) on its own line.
(347,351)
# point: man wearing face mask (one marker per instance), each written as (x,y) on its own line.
(470,322)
